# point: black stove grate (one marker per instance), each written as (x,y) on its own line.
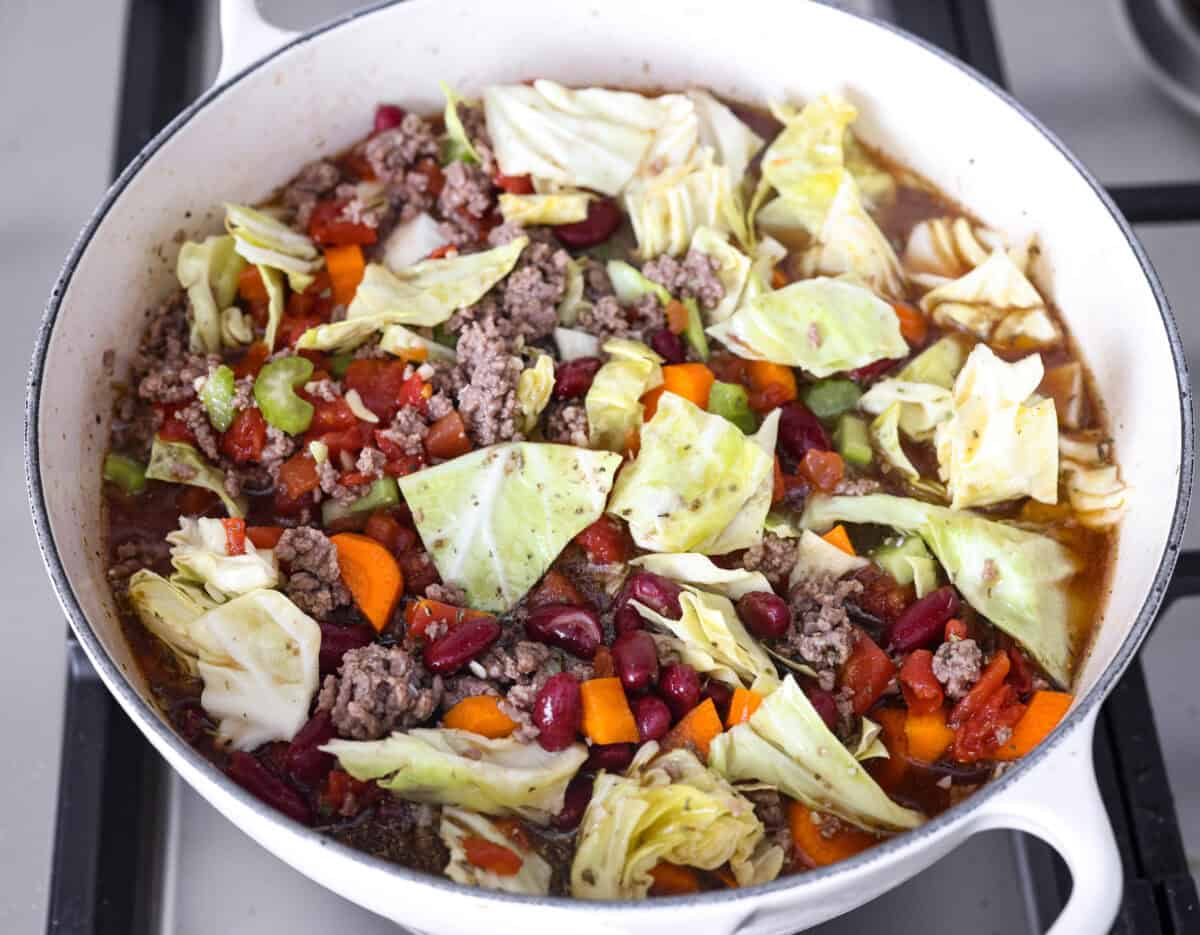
(105,872)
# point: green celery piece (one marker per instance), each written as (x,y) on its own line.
(383,493)
(340,363)
(275,393)
(828,399)
(694,332)
(730,401)
(852,440)
(126,473)
(217,397)
(892,557)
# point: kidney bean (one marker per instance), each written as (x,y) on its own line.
(304,760)
(653,717)
(612,757)
(336,641)
(721,695)
(679,687)
(658,593)
(575,803)
(460,644)
(635,660)
(387,117)
(626,619)
(923,622)
(801,431)
(256,779)
(765,614)
(603,217)
(668,345)
(573,378)
(558,712)
(824,704)
(570,627)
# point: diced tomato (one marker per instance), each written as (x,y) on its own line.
(514,184)
(173,429)
(264,537)
(346,796)
(354,479)
(605,541)
(292,328)
(235,535)
(385,529)
(992,678)
(298,476)
(403,466)
(955,630)
(979,737)
(823,469)
(867,673)
(384,388)
(1020,673)
(244,440)
(429,168)
(358,165)
(556,588)
(420,615)
(330,415)
(447,437)
(353,439)
(922,691)
(496,858)
(252,361)
(881,596)
(250,285)
(329,229)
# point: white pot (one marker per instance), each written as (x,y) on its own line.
(314,96)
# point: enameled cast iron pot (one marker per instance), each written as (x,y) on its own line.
(311,95)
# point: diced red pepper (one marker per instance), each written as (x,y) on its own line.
(403,466)
(252,361)
(264,537)
(823,469)
(496,858)
(328,228)
(867,673)
(605,541)
(514,184)
(243,442)
(235,535)
(330,415)
(922,691)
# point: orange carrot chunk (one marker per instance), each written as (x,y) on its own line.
(677,316)
(927,735)
(699,728)
(606,715)
(743,704)
(480,714)
(372,575)
(1046,709)
(820,850)
(913,327)
(673,880)
(763,374)
(650,402)
(346,266)
(838,536)
(691,381)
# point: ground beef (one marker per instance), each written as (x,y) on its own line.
(248,478)
(856,486)
(243,394)
(532,291)
(134,555)
(438,406)
(331,483)
(195,417)
(468,191)
(394,152)
(278,447)
(821,634)
(315,580)
(447,594)
(957,665)
(165,335)
(458,687)
(325,390)
(596,284)
(172,379)
(505,233)
(488,400)
(775,557)
(365,204)
(475,125)
(695,277)
(370,462)
(302,193)
(379,689)
(566,423)
(605,319)
(770,809)
(407,431)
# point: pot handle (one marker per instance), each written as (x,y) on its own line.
(246,37)
(1059,802)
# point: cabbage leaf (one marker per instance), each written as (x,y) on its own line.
(805,162)
(266,241)
(457,145)
(630,285)
(921,407)
(273,283)
(200,554)
(733,271)
(534,386)
(733,143)
(532,879)
(1094,487)
(171,610)
(404,342)
(573,302)
(573,343)
(494,519)
(181,463)
(815,558)
(460,768)
(412,241)
(885,434)
(612,403)
(938,364)
(986,296)
(700,571)
(209,272)
(667,209)
(556,208)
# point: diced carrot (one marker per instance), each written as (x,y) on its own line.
(487,855)
(913,327)
(691,381)
(480,714)
(371,574)
(890,772)
(764,373)
(927,735)
(606,715)
(673,880)
(677,316)
(699,728)
(838,537)
(955,630)
(778,279)
(250,286)
(820,850)
(823,469)
(346,266)
(1046,709)
(743,704)
(650,402)
(992,678)
(264,537)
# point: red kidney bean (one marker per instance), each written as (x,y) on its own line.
(304,760)
(870,372)
(668,345)
(387,117)
(575,803)
(573,378)
(765,614)
(626,619)
(635,660)
(679,687)
(603,217)
(653,717)
(570,627)
(612,757)
(824,704)
(256,779)
(922,623)
(460,644)
(721,695)
(801,431)
(658,593)
(336,641)
(558,712)
(191,722)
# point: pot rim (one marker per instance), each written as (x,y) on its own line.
(144,713)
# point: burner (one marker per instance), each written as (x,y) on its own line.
(1166,37)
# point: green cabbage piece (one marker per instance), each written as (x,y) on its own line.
(273,281)
(209,272)
(821,325)
(787,745)
(667,209)
(533,391)
(986,297)
(921,407)
(885,433)
(412,241)
(733,271)
(908,561)
(457,145)
(700,571)
(630,285)
(733,143)
(572,343)
(171,610)
(573,301)
(533,879)
(557,208)
(698,483)
(867,744)
(404,342)
(494,520)
(267,241)
(264,691)
(237,328)
(199,552)
(815,557)
(181,463)
(612,403)
(342,336)
(877,185)
(460,768)
(1019,580)
(938,364)
(666,809)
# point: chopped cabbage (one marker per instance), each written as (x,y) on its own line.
(404,342)
(667,209)
(816,557)
(557,208)
(573,301)
(457,145)
(630,285)
(533,391)
(787,745)
(666,809)
(734,143)
(946,248)
(237,328)
(821,325)
(612,403)
(885,433)
(171,610)
(700,571)
(181,463)
(267,241)
(273,282)
(908,561)
(867,745)
(412,241)
(921,407)
(1019,580)
(733,271)
(342,336)
(359,408)
(209,272)
(984,297)
(938,364)
(1094,487)
(457,767)
(200,554)
(996,446)
(494,519)
(572,344)
(532,879)
(698,484)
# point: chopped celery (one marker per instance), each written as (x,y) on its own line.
(217,397)
(126,473)
(908,561)
(275,393)
(852,440)
(694,332)
(340,363)
(828,399)
(730,401)
(382,494)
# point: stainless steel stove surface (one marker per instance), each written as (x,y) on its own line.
(205,875)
